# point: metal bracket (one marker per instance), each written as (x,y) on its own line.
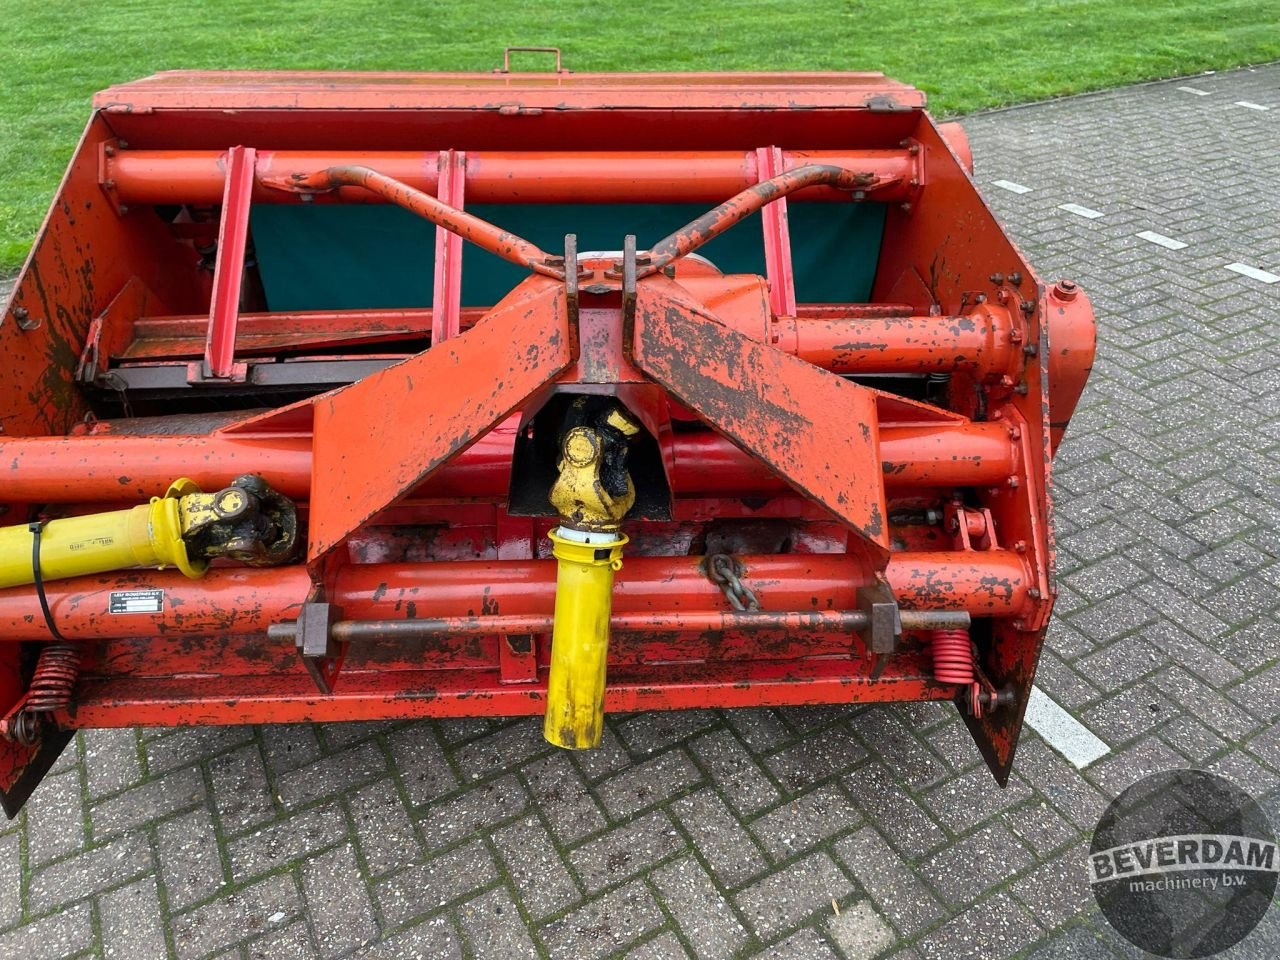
(884,622)
(321,654)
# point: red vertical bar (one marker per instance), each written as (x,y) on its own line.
(446,296)
(228,272)
(777,239)
(517,655)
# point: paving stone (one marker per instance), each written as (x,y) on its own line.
(267,905)
(1060,784)
(336,773)
(904,822)
(647,783)
(384,831)
(760,729)
(814,759)
(421,762)
(1055,891)
(288,746)
(705,917)
(806,821)
(428,886)
(1040,827)
(994,927)
(1201,701)
(784,898)
(610,757)
(494,928)
(541,880)
(804,944)
(61,934)
(54,818)
(192,745)
(480,808)
(602,926)
(884,734)
(338,901)
(504,748)
(1129,715)
(288,840)
(148,801)
(190,862)
(435,938)
(558,788)
(242,794)
(728,848)
(626,850)
(94,870)
(964,870)
(293,942)
(1259,694)
(132,925)
(336,736)
(895,889)
(1191,738)
(111,761)
(1116,773)
(664,946)
(859,931)
(10,879)
(645,733)
(970,798)
(1077,943)
(745,785)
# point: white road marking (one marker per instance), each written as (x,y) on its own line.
(1198,93)
(1161,240)
(1250,105)
(1010,186)
(1253,273)
(1062,731)
(1080,211)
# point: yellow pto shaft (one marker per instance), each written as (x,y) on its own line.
(580,638)
(144,536)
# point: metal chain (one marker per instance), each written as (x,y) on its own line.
(726,572)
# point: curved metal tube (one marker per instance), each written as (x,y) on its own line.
(719,219)
(482,233)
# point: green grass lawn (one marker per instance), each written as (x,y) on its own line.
(967,54)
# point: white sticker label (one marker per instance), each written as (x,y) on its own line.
(137,601)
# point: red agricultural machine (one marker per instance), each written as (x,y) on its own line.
(357,396)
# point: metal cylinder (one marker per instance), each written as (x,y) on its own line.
(580,639)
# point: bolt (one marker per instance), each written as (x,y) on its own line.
(1065,290)
(108,184)
(996,278)
(109,150)
(1034,593)
(1015,433)
(123,209)
(1028,307)
(1013,483)
(1030,349)
(1015,278)
(24,319)
(1020,546)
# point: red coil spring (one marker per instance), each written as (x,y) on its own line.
(952,656)
(54,678)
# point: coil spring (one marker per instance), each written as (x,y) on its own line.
(54,679)
(952,656)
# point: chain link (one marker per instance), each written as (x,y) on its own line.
(726,572)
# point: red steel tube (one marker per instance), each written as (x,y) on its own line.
(120,467)
(240,601)
(984,340)
(498,176)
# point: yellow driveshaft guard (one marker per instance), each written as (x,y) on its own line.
(580,640)
(144,536)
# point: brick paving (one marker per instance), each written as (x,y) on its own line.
(807,833)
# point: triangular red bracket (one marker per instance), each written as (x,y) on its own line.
(817,431)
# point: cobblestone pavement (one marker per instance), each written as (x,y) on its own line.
(807,833)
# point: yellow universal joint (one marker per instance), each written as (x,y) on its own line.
(588,551)
(149,535)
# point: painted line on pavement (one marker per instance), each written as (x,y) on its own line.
(1060,730)
(1080,211)
(1010,186)
(1198,93)
(1159,239)
(1253,273)
(1250,105)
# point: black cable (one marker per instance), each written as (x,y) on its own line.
(36,526)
